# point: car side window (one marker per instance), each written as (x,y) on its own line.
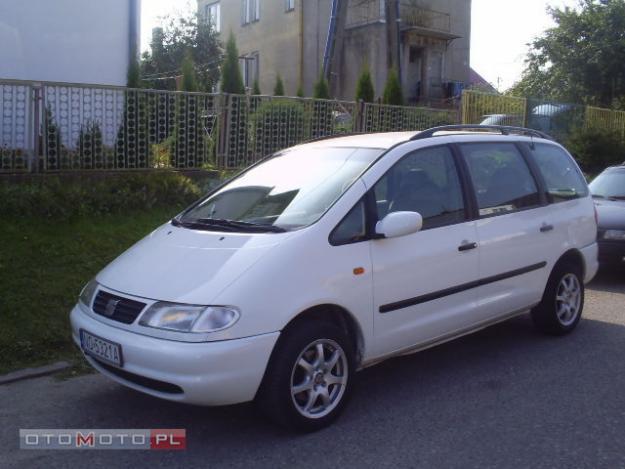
(563,179)
(425,181)
(352,228)
(502,180)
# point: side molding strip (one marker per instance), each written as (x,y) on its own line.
(458,289)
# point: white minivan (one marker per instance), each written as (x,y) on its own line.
(331,256)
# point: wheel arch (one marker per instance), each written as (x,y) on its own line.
(573,256)
(339,316)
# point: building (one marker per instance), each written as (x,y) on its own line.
(73,41)
(427,41)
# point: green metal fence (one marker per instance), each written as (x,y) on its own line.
(558,119)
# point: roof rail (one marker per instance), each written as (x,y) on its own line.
(502,129)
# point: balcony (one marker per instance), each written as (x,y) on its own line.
(424,21)
(413,17)
(365,12)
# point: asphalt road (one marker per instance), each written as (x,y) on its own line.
(505,397)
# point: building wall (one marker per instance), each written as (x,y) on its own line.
(316,24)
(458,55)
(294,45)
(73,41)
(276,38)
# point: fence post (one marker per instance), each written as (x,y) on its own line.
(464,107)
(33,164)
(359,126)
(528,113)
(222,136)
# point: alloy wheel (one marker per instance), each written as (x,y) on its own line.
(568,299)
(319,378)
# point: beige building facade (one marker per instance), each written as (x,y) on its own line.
(427,41)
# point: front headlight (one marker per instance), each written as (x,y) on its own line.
(188,318)
(86,295)
(614,235)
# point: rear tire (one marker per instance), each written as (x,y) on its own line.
(562,304)
(308,379)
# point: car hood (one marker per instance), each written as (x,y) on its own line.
(611,214)
(186,266)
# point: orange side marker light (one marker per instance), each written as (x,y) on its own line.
(359,271)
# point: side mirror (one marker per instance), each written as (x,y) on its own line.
(398,224)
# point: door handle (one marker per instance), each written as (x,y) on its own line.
(467,246)
(546,228)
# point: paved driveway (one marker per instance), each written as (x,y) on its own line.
(504,397)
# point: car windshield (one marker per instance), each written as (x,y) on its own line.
(291,190)
(609,185)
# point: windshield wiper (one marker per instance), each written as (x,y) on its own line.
(232,225)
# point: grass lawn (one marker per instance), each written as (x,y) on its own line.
(43,266)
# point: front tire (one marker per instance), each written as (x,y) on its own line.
(308,380)
(562,304)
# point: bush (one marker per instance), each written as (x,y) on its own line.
(364,87)
(231,79)
(321,89)
(596,149)
(392,91)
(256,88)
(279,88)
(62,199)
(278,124)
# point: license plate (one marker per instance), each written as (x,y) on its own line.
(101,349)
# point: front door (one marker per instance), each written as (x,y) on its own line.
(421,290)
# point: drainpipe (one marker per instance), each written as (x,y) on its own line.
(134,9)
(398,32)
(301,46)
(330,41)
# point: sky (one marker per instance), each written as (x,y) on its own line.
(501,30)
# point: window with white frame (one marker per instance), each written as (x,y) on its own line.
(289,5)
(213,15)
(250,11)
(249,68)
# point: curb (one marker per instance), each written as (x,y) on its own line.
(29,373)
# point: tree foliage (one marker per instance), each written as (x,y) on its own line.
(189,76)
(364,87)
(392,91)
(133,79)
(596,148)
(278,90)
(171,44)
(580,59)
(231,79)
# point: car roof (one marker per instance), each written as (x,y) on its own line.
(385,141)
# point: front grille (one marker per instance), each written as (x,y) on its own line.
(116,307)
(154,384)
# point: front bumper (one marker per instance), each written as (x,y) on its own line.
(612,253)
(208,373)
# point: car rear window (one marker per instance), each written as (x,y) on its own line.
(502,180)
(563,178)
